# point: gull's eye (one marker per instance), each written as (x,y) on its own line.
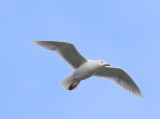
(102,62)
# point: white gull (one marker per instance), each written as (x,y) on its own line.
(85,68)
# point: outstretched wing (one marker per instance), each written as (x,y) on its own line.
(66,50)
(121,78)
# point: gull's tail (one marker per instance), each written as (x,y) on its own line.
(70,83)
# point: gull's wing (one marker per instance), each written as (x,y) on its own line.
(121,78)
(66,50)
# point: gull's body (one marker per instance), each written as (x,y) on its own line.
(85,68)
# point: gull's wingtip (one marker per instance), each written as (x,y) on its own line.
(35,42)
(141,95)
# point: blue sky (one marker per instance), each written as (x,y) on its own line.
(125,33)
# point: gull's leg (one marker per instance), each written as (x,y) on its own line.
(73,85)
(70,82)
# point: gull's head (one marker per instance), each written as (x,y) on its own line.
(103,63)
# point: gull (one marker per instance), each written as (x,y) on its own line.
(85,68)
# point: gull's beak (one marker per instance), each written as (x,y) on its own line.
(106,65)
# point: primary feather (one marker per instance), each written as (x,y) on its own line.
(121,78)
(66,50)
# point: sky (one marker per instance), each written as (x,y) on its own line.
(124,33)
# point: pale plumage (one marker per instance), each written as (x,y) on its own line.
(85,68)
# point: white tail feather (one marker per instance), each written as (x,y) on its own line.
(67,82)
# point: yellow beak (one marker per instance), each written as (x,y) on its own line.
(106,65)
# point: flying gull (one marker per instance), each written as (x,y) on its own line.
(85,68)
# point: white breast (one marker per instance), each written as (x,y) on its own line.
(86,70)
